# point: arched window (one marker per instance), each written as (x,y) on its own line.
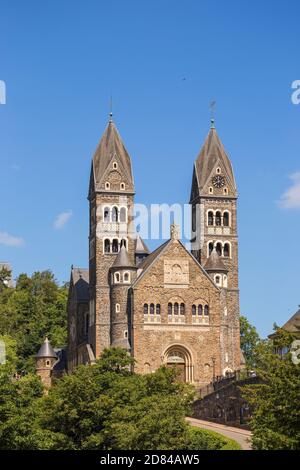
(227,250)
(122,186)
(114,214)
(115,165)
(145,309)
(117,308)
(107,185)
(106,214)
(210,247)
(126,277)
(200,310)
(219,248)
(157,309)
(218,218)
(123,214)
(151,309)
(176,308)
(170,308)
(106,246)
(224,280)
(226,219)
(115,246)
(194,218)
(117,277)
(194,310)
(210,218)
(123,242)
(182,309)
(206,310)
(217,280)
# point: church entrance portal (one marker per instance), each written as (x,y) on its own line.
(180,359)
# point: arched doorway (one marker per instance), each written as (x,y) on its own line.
(179,357)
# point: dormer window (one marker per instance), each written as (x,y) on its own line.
(107,185)
(122,186)
(115,165)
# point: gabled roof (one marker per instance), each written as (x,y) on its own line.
(140,246)
(153,257)
(215,263)
(46,350)
(80,279)
(109,147)
(122,260)
(212,153)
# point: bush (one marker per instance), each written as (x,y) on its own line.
(201,439)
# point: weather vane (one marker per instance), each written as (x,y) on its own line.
(212,113)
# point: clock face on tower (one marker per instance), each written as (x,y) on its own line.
(218,181)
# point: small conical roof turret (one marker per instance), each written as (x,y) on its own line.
(46,350)
(122,260)
(215,263)
(140,246)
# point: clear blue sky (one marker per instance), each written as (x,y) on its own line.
(61,60)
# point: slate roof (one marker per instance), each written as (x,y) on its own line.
(80,278)
(110,145)
(215,263)
(293,324)
(212,152)
(46,350)
(140,246)
(122,260)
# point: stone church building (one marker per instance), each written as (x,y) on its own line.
(172,306)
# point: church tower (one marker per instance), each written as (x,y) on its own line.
(111,199)
(214,235)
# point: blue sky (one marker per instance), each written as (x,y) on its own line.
(163,61)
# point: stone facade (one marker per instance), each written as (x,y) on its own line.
(164,307)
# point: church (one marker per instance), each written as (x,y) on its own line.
(171,306)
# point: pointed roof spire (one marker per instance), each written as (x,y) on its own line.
(122,260)
(215,263)
(140,246)
(211,154)
(46,350)
(111,147)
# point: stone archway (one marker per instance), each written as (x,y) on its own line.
(179,357)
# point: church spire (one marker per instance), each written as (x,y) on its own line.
(211,159)
(111,165)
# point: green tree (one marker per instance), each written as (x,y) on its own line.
(35,308)
(276,417)
(5,276)
(249,342)
(107,406)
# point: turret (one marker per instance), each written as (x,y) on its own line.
(141,250)
(217,270)
(122,274)
(44,363)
